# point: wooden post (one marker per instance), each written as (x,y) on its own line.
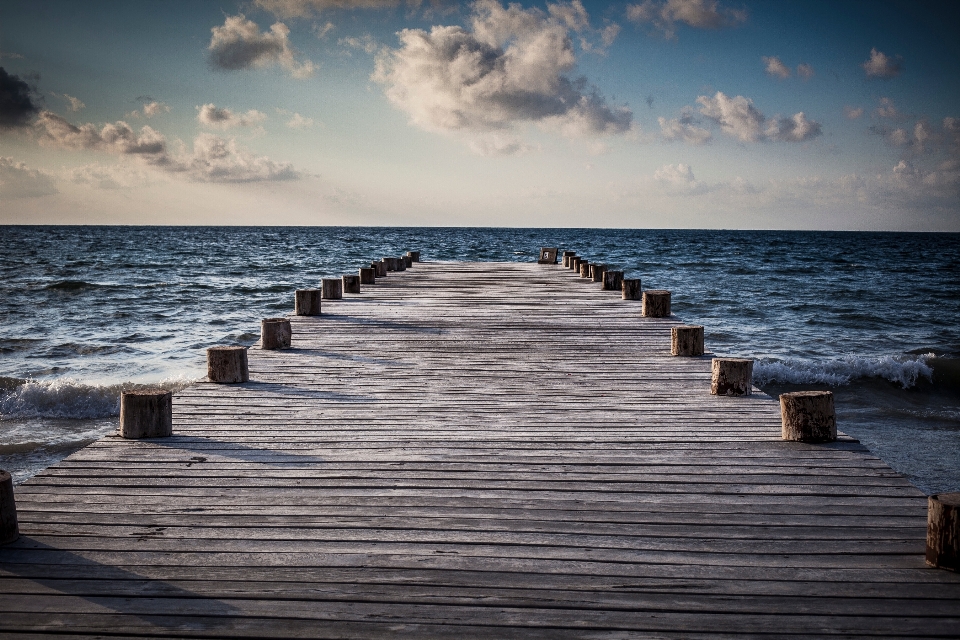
(686,340)
(548,255)
(575,263)
(597,271)
(307,302)
(368,275)
(9,531)
(943,531)
(612,281)
(414,255)
(584,269)
(275,333)
(656,303)
(391,263)
(146,414)
(808,416)
(407,262)
(332,288)
(566,258)
(731,377)
(381,268)
(631,289)
(401,265)
(351,284)
(227,365)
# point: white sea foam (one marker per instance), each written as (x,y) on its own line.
(69,398)
(903,370)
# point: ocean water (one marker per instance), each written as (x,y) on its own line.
(86,312)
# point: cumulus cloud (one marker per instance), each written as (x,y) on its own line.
(150,109)
(852,112)
(286,9)
(880,65)
(220,118)
(213,159)
(679,179)
(99,176)
(17,180)
(888,110)
(511,68)
(738,118)
(18,103)
(775,67)
(684,129)
(805,71)
(365,43)
(75,103)
(296,120)
(666,15)
(239,44)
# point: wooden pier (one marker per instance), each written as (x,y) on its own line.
(491,450)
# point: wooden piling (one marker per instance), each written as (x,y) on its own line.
(146,413)
(9,530)
(414,255)
(307,302)
(566,258)
(227,365)
(631,289)
(390,264)
(612,281)
(943,531)
(584,269)
(575,263)
(380,266)
(656,303)
(401,264)
(332,288)
(808,416)
(597,271)
(368,275)
(731,377)
(686,340)
(351,284)
(407,262)
(275,333)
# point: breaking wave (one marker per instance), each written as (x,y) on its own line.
(904,370)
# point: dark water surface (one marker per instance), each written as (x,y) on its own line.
(88,311)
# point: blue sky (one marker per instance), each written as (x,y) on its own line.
(657,113)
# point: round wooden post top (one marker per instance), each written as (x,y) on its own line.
(9,530)
(227,364)
(686,340)
(656,303)
(368,275)
(146,413)
(808,416)
(275,333)
(307,302)
(731,376)
(331,288)
(584,269)
(943,531)
(351,283)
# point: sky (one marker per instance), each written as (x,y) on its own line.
(647,114)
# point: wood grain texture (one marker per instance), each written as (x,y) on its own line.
(473,450)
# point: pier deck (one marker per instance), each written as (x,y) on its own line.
(490,450)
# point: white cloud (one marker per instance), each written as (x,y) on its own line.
(239,44)
(679,179)
(880,65)
(321,31)
(297,121)
(220,118)
(213,159)
(365,43)
(775,67)
(99,176)
(852,112)
(700,14)
(796,128)
(308,8)
(888,110)
(510,69)
(155,108)
(684,129)
(17,180)
(738,118)
(805,71)
(75,103)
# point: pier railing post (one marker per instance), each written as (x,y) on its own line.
(146,414)
(585,269)
(9,529)
(351,284)
(612,281)
(808,416)
(390,264)
(575,263)
(686,340)
(332,288)
(566,258)
(943,531)
(656,303)
(275,333)
(597,271)
(368,275)
(731,377)
(307,302)
(227,365)
(631,289)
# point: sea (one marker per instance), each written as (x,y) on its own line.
(89,311)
